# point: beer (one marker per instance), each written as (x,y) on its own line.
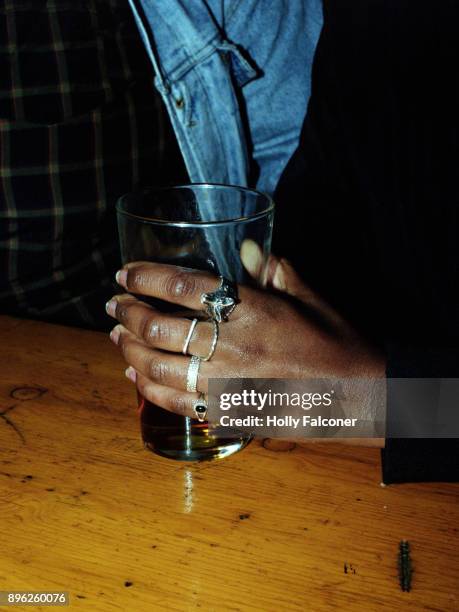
(177,437)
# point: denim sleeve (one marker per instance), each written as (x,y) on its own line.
(280,37)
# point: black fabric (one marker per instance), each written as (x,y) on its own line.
(368,205)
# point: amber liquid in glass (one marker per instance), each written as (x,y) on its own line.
(178,437)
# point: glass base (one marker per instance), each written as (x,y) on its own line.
(174,449)
(184,439)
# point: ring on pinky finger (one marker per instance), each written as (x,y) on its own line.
(173,400)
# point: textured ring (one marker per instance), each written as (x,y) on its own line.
(213,346)
(219,304)
(192,374)
(186,344)
(200,407)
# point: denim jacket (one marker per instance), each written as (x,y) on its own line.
(235,77)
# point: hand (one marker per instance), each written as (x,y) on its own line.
(291,333)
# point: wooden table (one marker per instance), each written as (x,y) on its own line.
(85,509)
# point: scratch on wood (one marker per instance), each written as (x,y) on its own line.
(11,423)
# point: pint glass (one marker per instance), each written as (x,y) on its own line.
(201,226)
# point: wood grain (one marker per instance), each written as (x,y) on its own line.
(85,509)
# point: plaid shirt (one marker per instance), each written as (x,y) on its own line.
(80,124)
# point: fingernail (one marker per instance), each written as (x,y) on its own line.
(252,257)
(115,335)
(121,277)
(279,278)
(110,307)
(131,374)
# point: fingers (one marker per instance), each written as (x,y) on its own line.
(157,329)
(286,279)
(252,258)
(256,265)
(165,369)
(173,284)
(276,272)
(280,273)
(173,400)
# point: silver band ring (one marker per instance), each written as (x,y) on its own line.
(200,407)
(219,304)
(186,344)
(213,346)
(192,374)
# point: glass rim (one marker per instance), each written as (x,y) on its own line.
(270,205)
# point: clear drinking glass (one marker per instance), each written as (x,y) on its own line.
(199,226)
